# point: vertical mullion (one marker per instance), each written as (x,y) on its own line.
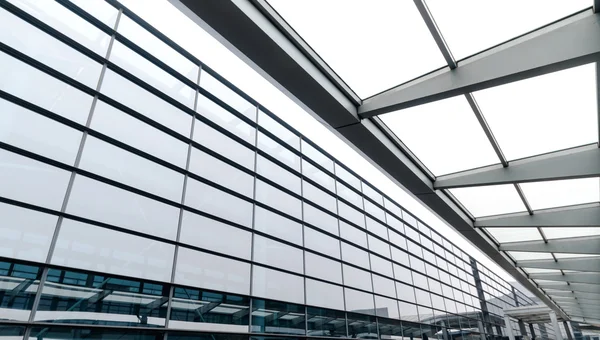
(337,207)
(253,224)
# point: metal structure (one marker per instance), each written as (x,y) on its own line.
(543,263)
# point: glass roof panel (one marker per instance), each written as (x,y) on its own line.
(371,45)
(522,255)
(553,233)
(503,235)
(445,135)
(489,200)
(543,114)
(551,194)
(470,26)
(570,256)
(541,270)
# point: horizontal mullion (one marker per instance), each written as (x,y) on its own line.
(86,16)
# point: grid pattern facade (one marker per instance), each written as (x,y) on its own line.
(141,192)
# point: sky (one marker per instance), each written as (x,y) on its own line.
(365,42)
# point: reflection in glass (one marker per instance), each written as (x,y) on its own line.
(278,130)
(326,322)
(321,243)
(206,336)
(277,254)
(278,226)
(277,317)
(319,218)
(362,326)
(85,298)
(70,333)
(209,311)
(273,284)
(385,307)
(359,302)
(324,294)
(322,268)
(390,329)
(219,90)
(18,285)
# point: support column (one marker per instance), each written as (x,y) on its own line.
(508,327)
(567,330)
(532,331)
(544,334)
(482,331)
(557,331)
(523,329)
(484,309)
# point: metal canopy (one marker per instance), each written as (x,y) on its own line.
(543,172)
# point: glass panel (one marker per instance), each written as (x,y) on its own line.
(277,174)
(503,235)
(278,151)
(490,200)
(319,197)
(357,278)
(278,199)
(457,25)
(46,49)
(151,74)
(18,285)
(405,292)
(317,157)
(320,219)
(384,65)
(23,177)
(359,302)
(34,86)
(101,10)
(550,194)
(353,234)
(390,329)
(378,246)
(403,274)
(538,104)
(59,333)
(68,23)
(209,311)
(356,256)
(277,225)
(374,210)
(324,294)
(227,95)
(124,128)
(223,145)
(381,266)
(88,247)
(408,312)
(362,326)
(349,195)
(218,203)
(386,308)
(198,269)
(443,150)
(104,203)
(377,228)
(217,171)
(206,233)
(318,176)
(123,166)
(552,233)
(277,254)
(134,32)
(521,255)
(321,243)
(273,284)
(347,177)
(351,214)
(144,102)
(225,119)
(25,234)
(372,193)
(32,132)
(323,268)
(277,317)
(383,286)
(82,298)
(326,322)
(278,130)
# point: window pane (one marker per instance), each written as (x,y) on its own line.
(46,49)
(324,294)
(69,333)
(277,317)
(34,86)
(385,307)
(223,145)
(23,177)
(273,284)
(101,10)
(278,199)
(278,151)
(144,102)
(362,326)
(317,157)
(218,203)
(326,322)
(227,95)
(318,176)
(277,226)
(321,243)
(372,193)
(82,298)
(32,132)
(357,278)
(381,266)
(157,48)
(490,200)
(217,171)
(320,219)
(124,128)
(277,254)
(68,23)
(25,234)
(349,195)
(88,247)
(351,214)
(353,234)
(277,174)
(198,269)
(104,203)
(18,286)
(378,246)
(319,197)
(405,292)
(408,312)
(377,228)
(355,256)
(206,233)
(209,311)
(359,302)
(278,130)
(384,286)
(403,274)
(220,116)
(323,268)
(347,177)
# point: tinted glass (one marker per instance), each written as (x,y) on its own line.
(325,322)
(324,294)
(273,284)
(321,243)
(277,317)
(278,226)
(277,254)
(18,286)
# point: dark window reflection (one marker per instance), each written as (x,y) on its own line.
(18,285)
(64,333)
(413,331)
(11,332)
(205,310)
(84,298)
(326,322)
(390,329)
(206,336)
(361,326)
(277,317)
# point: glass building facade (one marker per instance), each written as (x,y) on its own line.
(144,196)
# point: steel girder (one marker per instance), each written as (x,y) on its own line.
(576,277)
(574,245)
(584,215)
(584,263)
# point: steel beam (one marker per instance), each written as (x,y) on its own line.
(573,245)
(570,42)
(586,264)
(579,296)
(574,287)
(578,162)
(584,215)
(577,277)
